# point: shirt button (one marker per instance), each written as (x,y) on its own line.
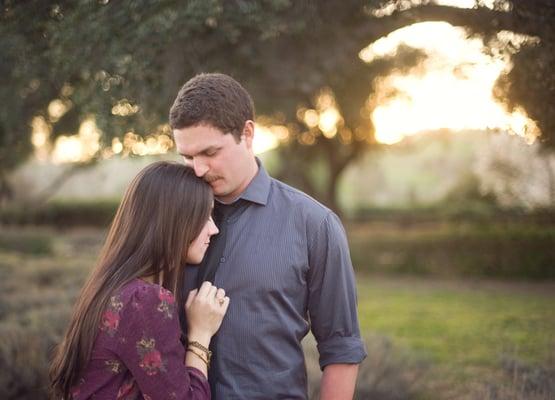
(222,259)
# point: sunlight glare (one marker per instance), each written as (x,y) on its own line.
(40,134)
(451,90)
(56,109)
(78,148)
(267,137)
(124,108)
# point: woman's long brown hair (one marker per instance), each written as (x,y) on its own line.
(162,212)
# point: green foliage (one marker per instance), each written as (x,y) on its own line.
(94,55)
(530,83)
(390,372)
(513,251)
(25,242)
(36,296)
(63,214)
(481,211)
(466,194)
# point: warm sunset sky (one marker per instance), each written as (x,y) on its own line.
(452,90)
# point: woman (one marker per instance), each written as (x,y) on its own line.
(123,337)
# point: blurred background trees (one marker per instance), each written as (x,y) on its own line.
(121,64)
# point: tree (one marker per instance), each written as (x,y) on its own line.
(124,62)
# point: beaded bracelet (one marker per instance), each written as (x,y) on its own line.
(207,362)
(202,348)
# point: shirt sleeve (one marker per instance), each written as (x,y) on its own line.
(147,342)
(332,299)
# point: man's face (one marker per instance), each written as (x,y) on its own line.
(217,157)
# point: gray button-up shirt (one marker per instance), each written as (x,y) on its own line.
(286,268)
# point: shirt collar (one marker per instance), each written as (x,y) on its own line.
(258,189)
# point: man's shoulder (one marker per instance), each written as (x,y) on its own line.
(288,196)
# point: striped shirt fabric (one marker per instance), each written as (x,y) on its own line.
(287,270)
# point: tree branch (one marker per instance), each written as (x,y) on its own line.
(480,20)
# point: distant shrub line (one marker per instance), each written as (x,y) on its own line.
(62,214)
(100,213)
(467,212)
(28,243)
(512,252)
(489,242)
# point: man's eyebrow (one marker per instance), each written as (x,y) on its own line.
(205,150)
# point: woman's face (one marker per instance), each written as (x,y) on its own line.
(197,248)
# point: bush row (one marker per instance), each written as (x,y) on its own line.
(25,242)
(62,214)
(522,251)
(100,213)
(475,212)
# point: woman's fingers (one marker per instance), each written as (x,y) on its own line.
(209,294)
(204,289)
(220,294)
(205,309)
(220,297)
(190,297)
(224,303)
(212,293)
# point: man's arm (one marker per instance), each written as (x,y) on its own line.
(338,382)
(332,309)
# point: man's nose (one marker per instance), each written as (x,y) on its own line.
(199,167)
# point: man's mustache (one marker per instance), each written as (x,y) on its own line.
(211,178)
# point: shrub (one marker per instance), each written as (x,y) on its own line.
(388,373)
(525,382)
(36,296)
(26,242)
(62,214)
(515,251)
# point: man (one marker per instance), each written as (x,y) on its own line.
(281,257)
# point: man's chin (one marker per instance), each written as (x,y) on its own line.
(218,188)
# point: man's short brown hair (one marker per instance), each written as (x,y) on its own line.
(214,99)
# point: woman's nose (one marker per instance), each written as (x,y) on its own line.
(213,228)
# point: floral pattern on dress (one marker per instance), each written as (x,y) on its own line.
(109,322)
(166,302)
(142,356)
(129,390)
(114,366)
(150,358)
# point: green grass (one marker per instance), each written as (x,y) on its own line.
(464,329)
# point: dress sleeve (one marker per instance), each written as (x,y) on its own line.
(147,342)
(332,301)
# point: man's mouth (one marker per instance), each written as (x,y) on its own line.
(211,179)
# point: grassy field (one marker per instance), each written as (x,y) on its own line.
(468,330)
(427,338)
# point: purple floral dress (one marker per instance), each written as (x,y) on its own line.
(137,354)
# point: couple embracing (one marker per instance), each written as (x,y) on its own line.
(211,275)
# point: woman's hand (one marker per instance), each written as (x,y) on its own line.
(205,309)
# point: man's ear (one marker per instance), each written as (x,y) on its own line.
(248,133)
